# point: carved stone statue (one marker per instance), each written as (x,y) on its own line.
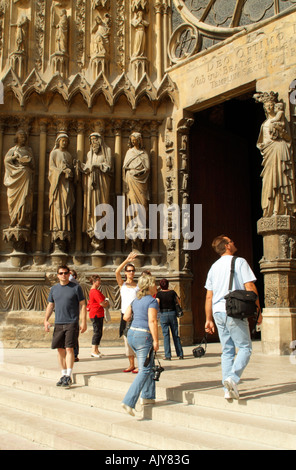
(101,32)
(61,192)
(19,173)
(274,143)
(136,170)
(62,33)
(20,37)
(96,183)
(139,24)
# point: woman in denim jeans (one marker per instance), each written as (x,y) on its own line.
(168,319)
(142,337)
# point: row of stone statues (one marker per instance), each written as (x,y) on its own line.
(100,33)
(95,173)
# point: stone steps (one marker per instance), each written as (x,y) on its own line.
(89,416)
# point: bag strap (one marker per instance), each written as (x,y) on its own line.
(231,272)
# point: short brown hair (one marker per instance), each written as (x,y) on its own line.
(63,266)
(94,278)
(164,284)
(219,244)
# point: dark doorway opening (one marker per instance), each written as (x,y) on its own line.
(225,167)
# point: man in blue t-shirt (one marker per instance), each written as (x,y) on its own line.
(233,333)
(68,301)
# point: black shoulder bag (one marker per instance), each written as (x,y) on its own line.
(178,308)
(240,303)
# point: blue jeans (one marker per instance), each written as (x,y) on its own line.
(233,333)
(141,342)
(168,321)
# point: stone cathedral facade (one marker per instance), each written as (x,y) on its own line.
(109,104)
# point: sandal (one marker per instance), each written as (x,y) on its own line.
(129,369)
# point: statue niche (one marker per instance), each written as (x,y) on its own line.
(60,42)
(139,59)
(100,44)
(274,143)
(19,55)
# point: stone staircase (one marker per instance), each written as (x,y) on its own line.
(35,414)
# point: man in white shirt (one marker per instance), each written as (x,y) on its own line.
(233,333)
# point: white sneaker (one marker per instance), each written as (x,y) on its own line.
(228,395)
(231,387)
(147,401)
(128,409)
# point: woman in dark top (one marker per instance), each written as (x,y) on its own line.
(167,299)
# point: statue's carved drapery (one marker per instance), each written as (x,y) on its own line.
(274,143)
(96,181)
(61,193)
(18,179)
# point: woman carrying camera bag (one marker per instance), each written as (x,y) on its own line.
(142,337)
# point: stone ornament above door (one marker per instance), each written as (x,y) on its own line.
(215,20)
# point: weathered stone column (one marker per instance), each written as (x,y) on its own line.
(279,268)
(39,256)
(158,13)
(118,178)
(154,178)
(79,205)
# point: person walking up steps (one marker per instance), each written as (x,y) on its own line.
(234,333)
(66,299)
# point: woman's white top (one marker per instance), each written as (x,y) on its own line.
(128,294)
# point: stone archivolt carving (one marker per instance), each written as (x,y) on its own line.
(137,5)
(89,91)
(218,20)
(274,143)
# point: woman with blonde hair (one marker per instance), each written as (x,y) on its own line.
(142,337)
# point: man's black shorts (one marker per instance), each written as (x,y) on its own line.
(65,336)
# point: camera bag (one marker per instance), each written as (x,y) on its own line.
(199,351)
(240,303)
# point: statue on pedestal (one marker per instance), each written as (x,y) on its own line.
(96,184)
(19,173)
(62,33)
(61,192)
(19,178)
(274,143)
(136,170)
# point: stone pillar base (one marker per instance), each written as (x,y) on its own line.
(278,330)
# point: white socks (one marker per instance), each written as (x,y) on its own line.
(67,372)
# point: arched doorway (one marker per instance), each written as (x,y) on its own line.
(225,167)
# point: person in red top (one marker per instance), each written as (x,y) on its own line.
(95,307)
